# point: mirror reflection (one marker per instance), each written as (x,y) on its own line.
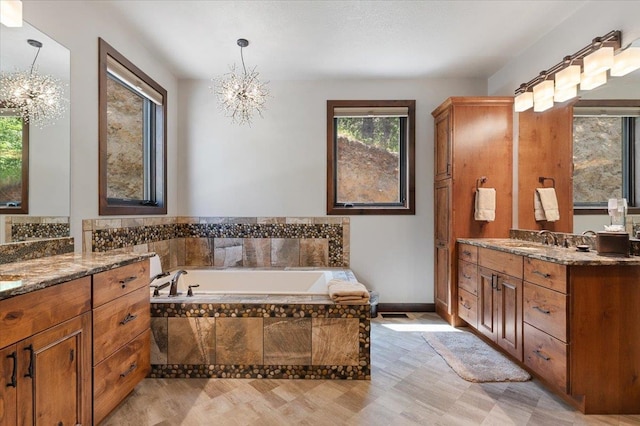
(606,150)
(14,162)
(48,162)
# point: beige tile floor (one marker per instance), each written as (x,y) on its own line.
(410,385)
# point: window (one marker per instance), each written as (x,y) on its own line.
(370,157)
(14,163)
(133,111)
(605,154)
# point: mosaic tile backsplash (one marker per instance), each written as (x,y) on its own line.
(26,228)
(215,241)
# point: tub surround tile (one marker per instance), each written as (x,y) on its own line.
(285,252)
(239,341)
(162,249)
(106,235)
(198,252)
(287,341)
(279,321)
(181,252)
(191,341)
(174,249)
(334,341)
(159,340)
(227,252)
(256,252)
(314,252)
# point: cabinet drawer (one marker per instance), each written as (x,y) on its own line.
(119,321)
(114,283)
(468,252)
(545,355)
(468,276)
(468,307)
(546,310)
(507,263)
(27,314)
(547,274)
(117,375)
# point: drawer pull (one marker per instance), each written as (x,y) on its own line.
(466,306)
(542,274)
(466,276)
(14,380)
(541,355)
(128,318)
(129,370)
(466,253)
(544,311)
(125,281)
(30,369)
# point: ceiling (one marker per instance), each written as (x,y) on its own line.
(308,40)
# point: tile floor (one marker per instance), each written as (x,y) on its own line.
(410,385)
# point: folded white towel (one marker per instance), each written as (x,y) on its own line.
(485,205)
(348,293)
(546,205)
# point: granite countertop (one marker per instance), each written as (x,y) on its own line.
(555,254)
(48,271)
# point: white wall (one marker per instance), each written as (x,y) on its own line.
(77,25)
(277,167)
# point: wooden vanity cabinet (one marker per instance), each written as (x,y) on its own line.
(46,356)
(575,327)
(500,299)
(121,328)
(472,139)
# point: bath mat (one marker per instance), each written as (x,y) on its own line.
(472,359)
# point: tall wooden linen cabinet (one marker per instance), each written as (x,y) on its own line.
(473,148)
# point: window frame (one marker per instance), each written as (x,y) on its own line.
(155,179)
(628,166)
(23,208)
(407,159)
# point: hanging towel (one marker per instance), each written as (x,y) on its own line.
(348,293)
(546,205)
(485,205)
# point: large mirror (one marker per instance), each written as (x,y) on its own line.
(606,150)
(48,160)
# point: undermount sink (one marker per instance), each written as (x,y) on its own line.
(7,282)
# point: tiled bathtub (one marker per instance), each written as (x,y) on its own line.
(260,336)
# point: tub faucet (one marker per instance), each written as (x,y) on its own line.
(173,291)
(545,233)
(589,231)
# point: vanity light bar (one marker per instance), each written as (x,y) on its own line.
(585,67)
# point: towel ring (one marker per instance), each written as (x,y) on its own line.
(541,179)
(480,181)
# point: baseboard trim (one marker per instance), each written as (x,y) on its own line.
(406,307)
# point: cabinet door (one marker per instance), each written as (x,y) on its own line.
(443,146)
(443,211)
(8,386)
(54,379)
(487,309)
(509,303)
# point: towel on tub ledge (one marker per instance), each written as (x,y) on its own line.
(348,293)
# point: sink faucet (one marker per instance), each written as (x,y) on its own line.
(589,231)
(545,233)
(173,291)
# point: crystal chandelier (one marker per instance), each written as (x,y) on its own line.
(240,95)
(37,98)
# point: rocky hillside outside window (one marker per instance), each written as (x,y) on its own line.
(370,157)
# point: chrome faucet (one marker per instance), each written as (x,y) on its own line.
(173,291)
(589,231)
(546,233)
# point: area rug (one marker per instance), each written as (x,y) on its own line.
(472,359)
